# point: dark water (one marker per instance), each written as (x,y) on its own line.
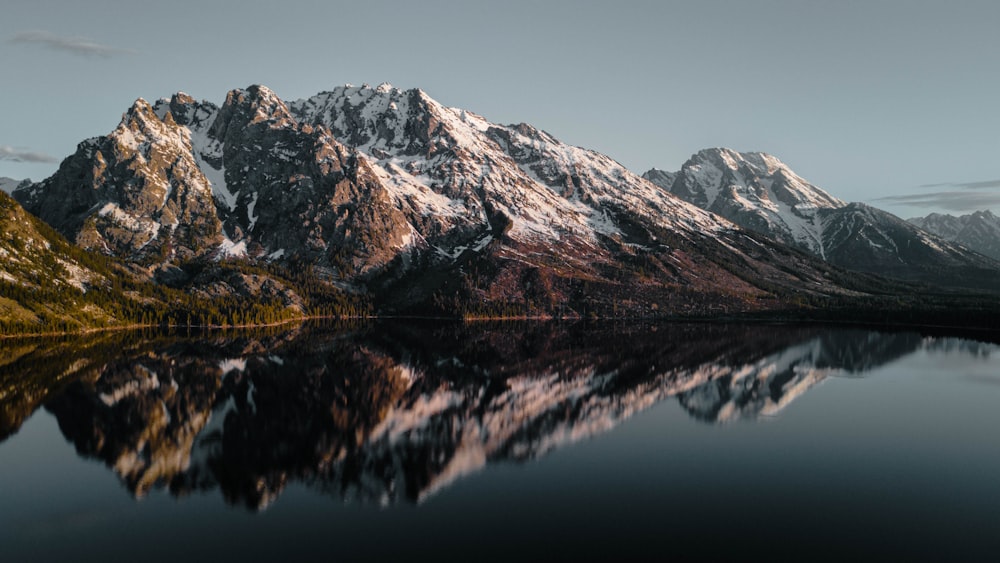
(501,442)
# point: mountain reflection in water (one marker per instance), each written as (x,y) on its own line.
(393,412)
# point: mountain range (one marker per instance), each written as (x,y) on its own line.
(979,231)
(386,200)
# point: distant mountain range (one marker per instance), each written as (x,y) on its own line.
(979,231)
(8,185)
(383,200)
(759,192)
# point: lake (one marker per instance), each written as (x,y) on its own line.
(517,441)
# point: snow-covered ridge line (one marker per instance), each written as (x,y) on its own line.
(377,122)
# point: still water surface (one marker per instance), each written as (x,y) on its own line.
(527,441)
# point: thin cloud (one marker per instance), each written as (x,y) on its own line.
(966,185)
(954,200)
(980,185)
(75,45)
(19,155)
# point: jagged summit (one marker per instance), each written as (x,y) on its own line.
(260,104)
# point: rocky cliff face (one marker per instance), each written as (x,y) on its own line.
(979,231)
(760,193)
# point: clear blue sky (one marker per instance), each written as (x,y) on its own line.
(867,99)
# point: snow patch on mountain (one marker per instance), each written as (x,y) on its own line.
(138,225)
(204,149)
(230,249)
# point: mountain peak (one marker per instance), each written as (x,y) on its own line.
(260,104)
(139,112)
(141,125)
(760,162)
(261,96)
(721,179)
(181,98)
(753,189)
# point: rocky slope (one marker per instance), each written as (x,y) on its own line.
(49,285)
(867,239)
(44,279)
(759,192)
(430,209)
(33,255)
(979,231)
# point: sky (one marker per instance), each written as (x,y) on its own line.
(889,102)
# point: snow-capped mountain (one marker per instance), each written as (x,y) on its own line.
(388,189)
(760,193)
(979,231)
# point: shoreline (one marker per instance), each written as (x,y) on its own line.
(134,326)
(762,319)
